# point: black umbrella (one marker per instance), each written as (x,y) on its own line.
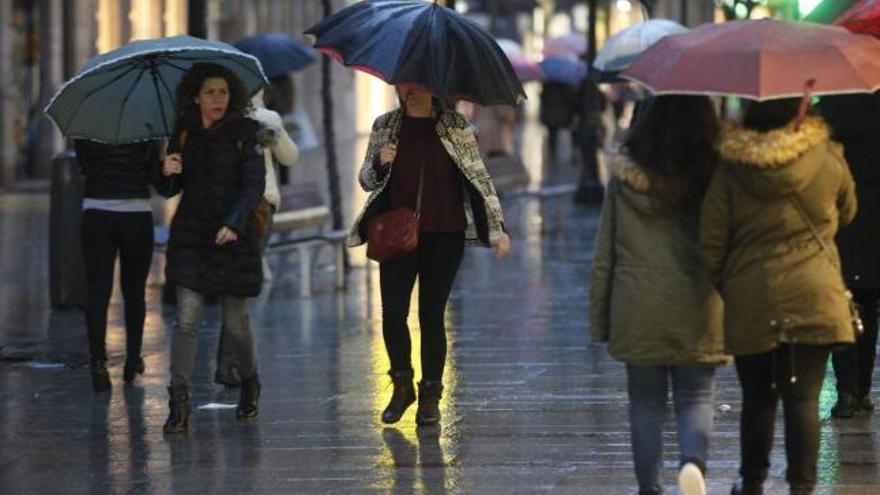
(416,43)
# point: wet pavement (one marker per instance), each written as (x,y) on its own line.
(530,405)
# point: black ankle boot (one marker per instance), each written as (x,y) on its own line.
(428,412)
(178,409)
(845,406)
(100,376)
(248,407)
(743,487)
(132,367)
(404,395)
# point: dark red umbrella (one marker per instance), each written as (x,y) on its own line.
(760,59)
(863,17)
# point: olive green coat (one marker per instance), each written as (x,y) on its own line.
(777,283)
(650,298)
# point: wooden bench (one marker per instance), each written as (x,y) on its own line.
(302,226)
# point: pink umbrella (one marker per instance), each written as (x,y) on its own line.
(526,70)
(570,44)
(760,59)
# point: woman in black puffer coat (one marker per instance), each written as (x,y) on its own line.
(214,249)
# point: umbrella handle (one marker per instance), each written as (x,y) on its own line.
(805,103)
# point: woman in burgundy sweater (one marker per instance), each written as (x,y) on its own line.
(459,206)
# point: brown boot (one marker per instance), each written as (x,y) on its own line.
(430,393)
(404,395)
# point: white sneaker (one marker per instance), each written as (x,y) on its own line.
(690,480)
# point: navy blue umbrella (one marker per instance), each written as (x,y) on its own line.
(421,44)
(279,53)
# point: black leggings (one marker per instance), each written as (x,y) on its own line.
(104,234)
(854,364)
(764,379)
(436,263)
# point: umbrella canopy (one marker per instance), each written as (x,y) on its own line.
(564,69)
(759,59)
(569,44)
(864,17)
(622,48)
(128,94)
(526,70)
(278,53)
(421,44)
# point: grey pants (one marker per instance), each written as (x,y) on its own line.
(186,332)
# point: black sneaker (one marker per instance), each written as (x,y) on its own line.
(864,404)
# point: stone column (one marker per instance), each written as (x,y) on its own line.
(80,34)
(7,99)
(49,141)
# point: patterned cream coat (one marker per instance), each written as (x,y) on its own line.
(485,222)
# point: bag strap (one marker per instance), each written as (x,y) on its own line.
(421,187)
(803,213)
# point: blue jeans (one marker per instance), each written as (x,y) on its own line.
(693,393)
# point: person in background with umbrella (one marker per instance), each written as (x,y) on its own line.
(770,211)
(855,124)
(459,206)
(650,299)
(117,222)
(280,148)
(215,161)
(558,103)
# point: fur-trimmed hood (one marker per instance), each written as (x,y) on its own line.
(640,187)
(777,162)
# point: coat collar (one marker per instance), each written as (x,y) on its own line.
(774,148)
(627,171)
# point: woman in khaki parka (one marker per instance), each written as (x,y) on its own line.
(783,294)
(651,299)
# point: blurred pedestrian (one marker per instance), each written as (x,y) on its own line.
(589,133)
(772,208)
(117,223)
(281,149)
(855,121)
(650,298)
(214,246)
(429,148)
(558,102)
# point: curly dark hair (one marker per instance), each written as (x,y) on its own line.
(188,114)
(676,140)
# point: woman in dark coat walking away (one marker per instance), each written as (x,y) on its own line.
(117,221)
(459,206)
(650,298)
(855,123)
(214,246)
(767,228)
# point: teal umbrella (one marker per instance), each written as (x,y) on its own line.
(128,94)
